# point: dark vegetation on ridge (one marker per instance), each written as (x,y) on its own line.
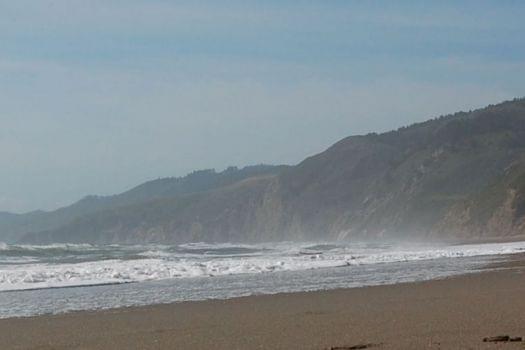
(457,176)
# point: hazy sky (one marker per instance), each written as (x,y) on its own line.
(99,95)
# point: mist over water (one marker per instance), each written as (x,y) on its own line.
(119,275)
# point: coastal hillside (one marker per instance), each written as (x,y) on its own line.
(460,176)
(13,226)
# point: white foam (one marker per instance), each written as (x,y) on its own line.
(31,247)
(161,264)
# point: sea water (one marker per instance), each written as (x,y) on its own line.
(66,277)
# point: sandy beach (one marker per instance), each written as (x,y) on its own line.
(453,313)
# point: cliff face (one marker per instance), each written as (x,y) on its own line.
(459,176)
(496,211)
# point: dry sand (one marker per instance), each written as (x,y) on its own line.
(454,313)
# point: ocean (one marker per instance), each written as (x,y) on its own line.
(59,278)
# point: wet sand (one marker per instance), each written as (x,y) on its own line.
(454,313)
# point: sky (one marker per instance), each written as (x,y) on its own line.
(97,96)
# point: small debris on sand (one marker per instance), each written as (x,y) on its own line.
(502,338)
(499,338)
(354,347)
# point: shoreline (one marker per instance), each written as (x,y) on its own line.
(454,312)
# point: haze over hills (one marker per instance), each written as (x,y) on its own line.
(13,226)
(459,176)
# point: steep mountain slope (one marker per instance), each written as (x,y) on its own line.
(458,176)
(12,226)
(498,210)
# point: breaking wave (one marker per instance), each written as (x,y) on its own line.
(66,265)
